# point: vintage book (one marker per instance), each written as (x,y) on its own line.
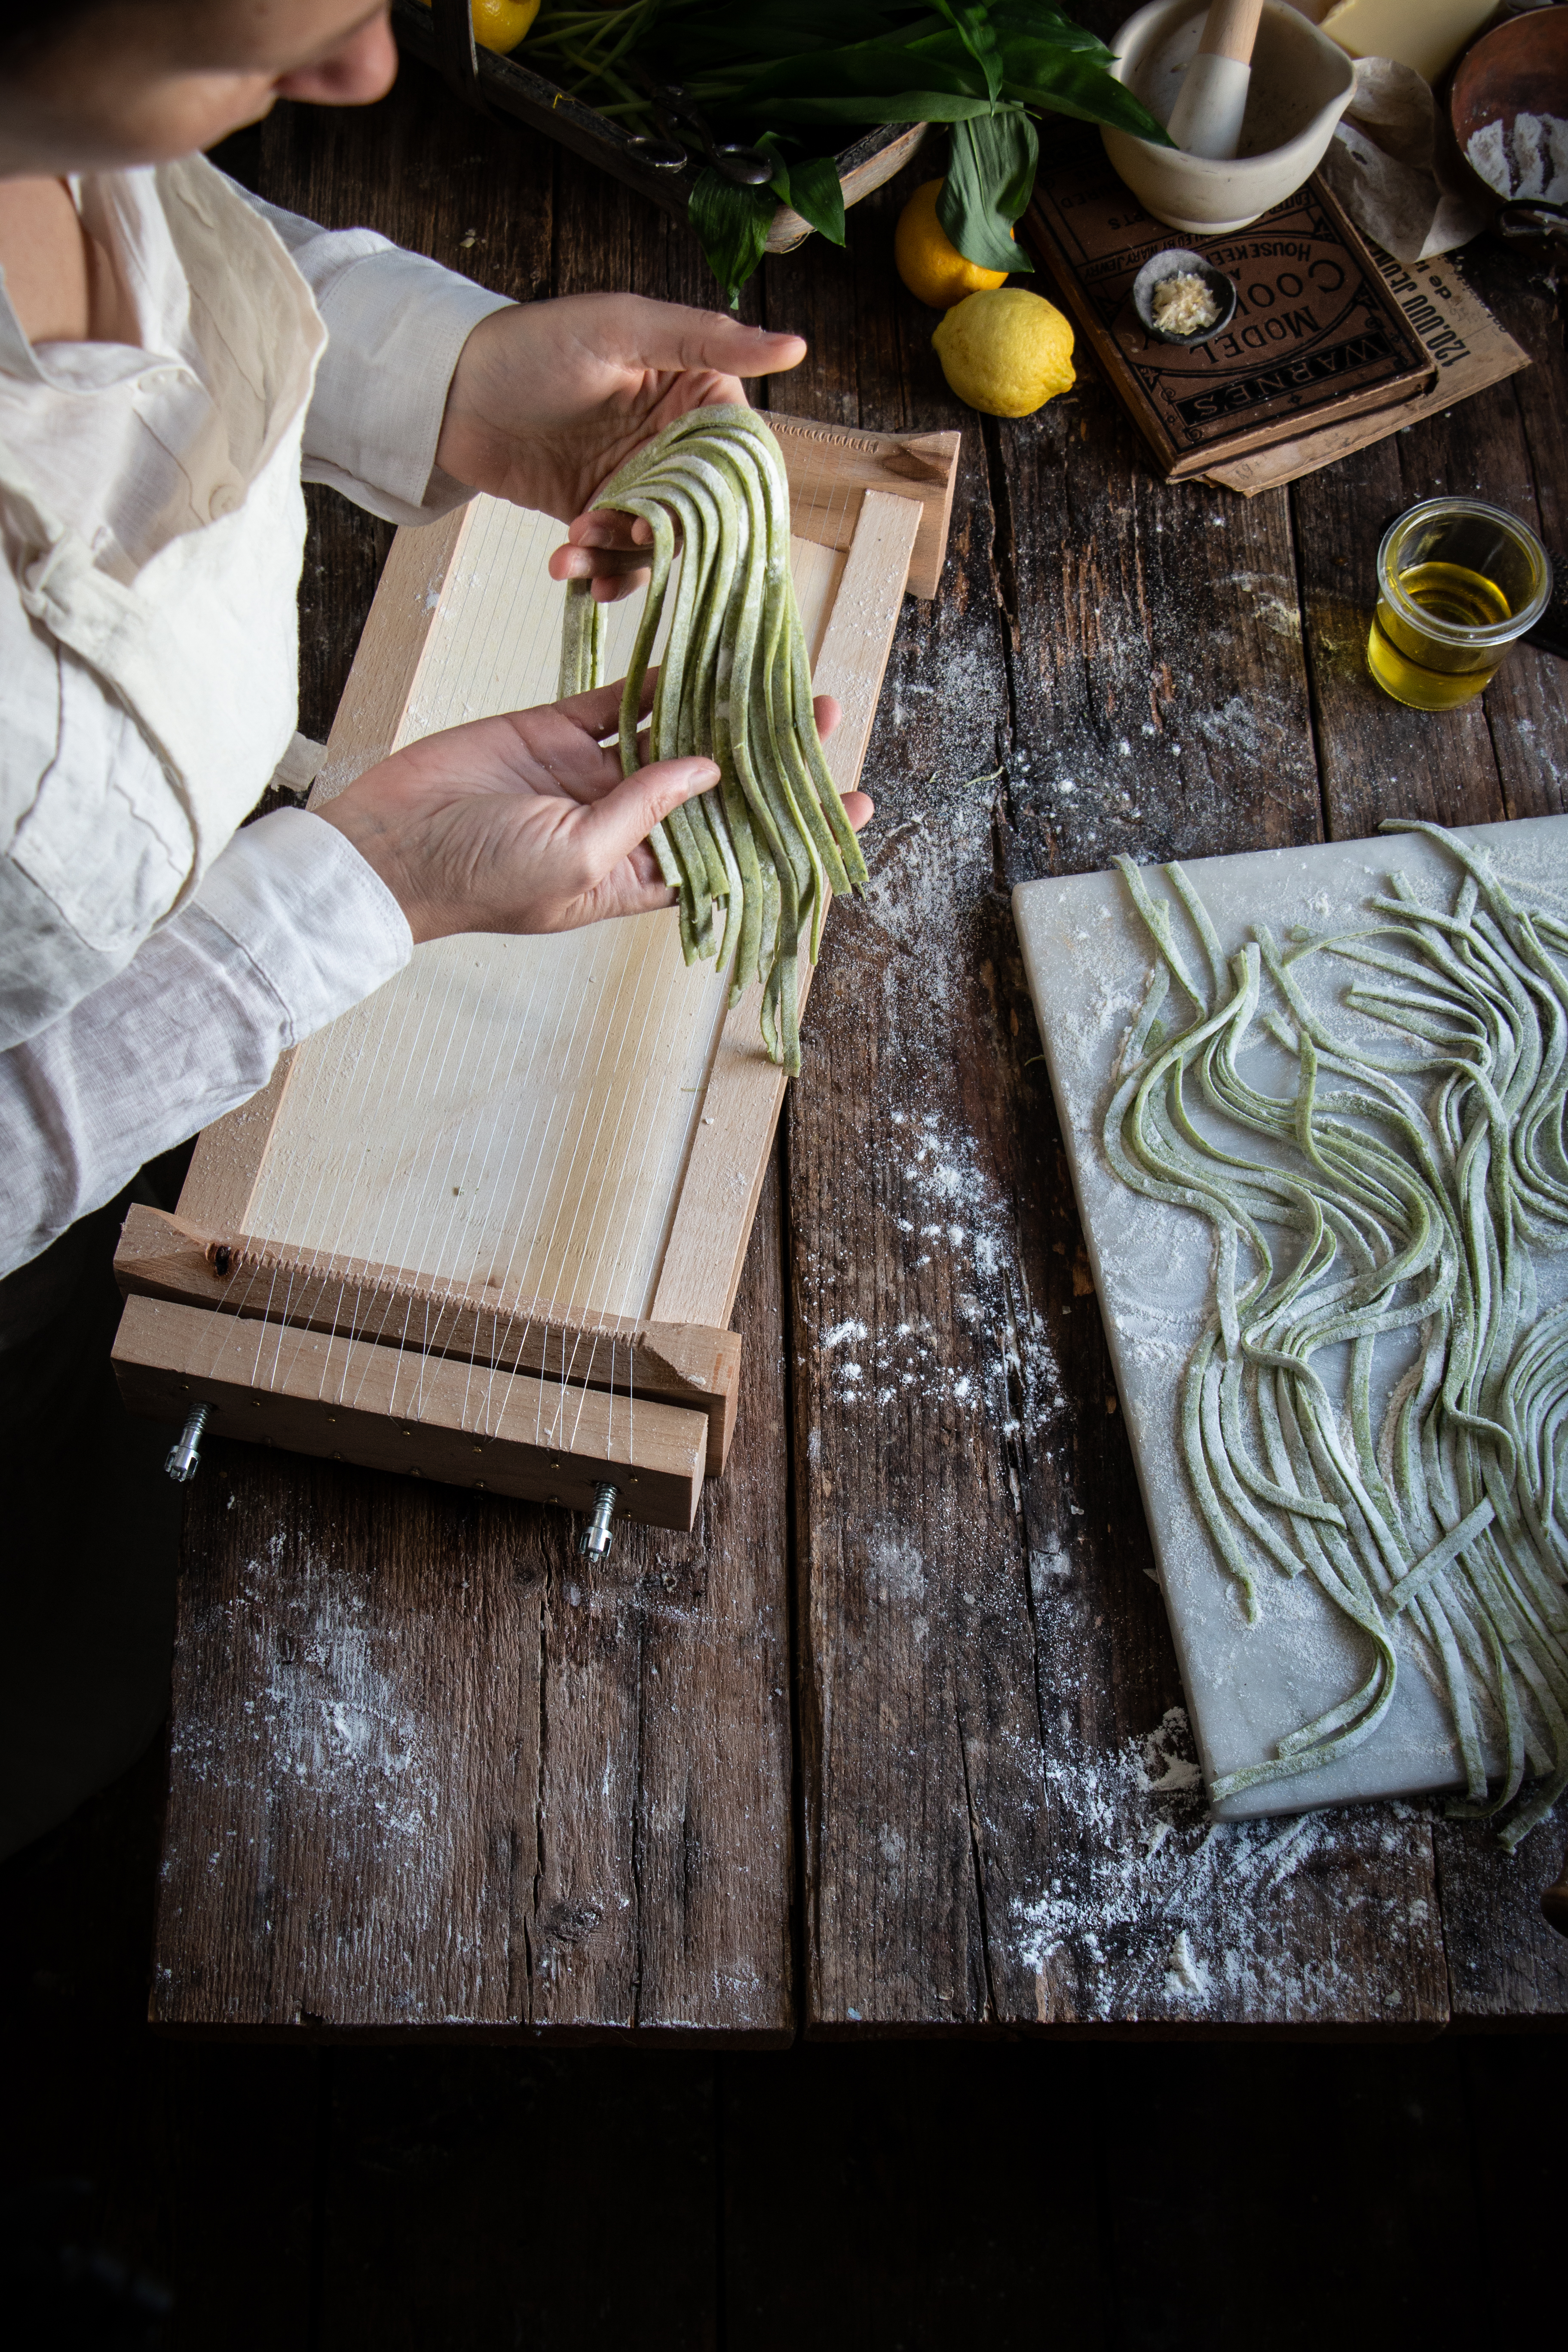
(1317,336)
(1467,347)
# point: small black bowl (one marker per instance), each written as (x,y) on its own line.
(1177,263)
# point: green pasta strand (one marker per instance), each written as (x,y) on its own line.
(755,862)
(1406,1189)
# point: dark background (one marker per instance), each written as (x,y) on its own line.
(1095,2194)
(895,2197)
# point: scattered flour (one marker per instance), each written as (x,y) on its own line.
(986,1350)
(1163,1912)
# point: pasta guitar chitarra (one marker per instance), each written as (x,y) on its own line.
(489,1226)
(757,860)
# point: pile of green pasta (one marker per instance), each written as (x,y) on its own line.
(1414,1181)
(757,860)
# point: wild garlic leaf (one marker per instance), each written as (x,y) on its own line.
(733,224)
(990,175)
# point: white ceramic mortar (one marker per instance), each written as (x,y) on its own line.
(1301,84)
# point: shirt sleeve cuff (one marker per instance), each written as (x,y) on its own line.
(396,324)
(317,924)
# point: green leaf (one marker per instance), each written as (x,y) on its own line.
(769,146)
(972,22)
(817,192)
(990,177)
(877,69)
(732,225)
(1047,28)
(910,106)
(1073,85)
(812,188)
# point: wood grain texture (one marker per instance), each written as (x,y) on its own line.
(999,1822)
(418,1416)
(677,1363)
(430,1773)
(829,469)
(1003,1821)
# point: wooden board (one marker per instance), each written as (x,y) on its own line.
(998,1761)
(423,1416)
(578,1122)
(1004,1827)
(1089,958)
(669,1363)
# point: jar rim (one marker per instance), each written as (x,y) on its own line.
(1457,632)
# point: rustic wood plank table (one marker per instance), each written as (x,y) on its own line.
(894,1741)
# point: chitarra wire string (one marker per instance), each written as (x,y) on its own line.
(367,1054)
(491,1091)
(692,519)
(372,1059)
(605,1160)
(686,576)
(396,1205)
(376,1060)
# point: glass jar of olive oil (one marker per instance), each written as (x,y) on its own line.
(1457,583)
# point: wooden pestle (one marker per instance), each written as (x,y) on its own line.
(1208,115)
(1554,1901)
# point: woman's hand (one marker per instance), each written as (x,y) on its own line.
(525,823)
(548,398)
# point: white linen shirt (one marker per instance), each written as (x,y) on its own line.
(154,960)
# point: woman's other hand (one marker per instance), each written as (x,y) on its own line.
(524,823)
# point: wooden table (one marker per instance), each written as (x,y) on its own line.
(895,1741)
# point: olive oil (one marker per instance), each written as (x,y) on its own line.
(1437,668)
(1457,582)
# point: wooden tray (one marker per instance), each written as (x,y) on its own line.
(443,36)
(488,1227)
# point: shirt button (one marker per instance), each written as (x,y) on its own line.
(223,501)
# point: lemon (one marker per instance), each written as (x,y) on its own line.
(500,25)
(1007,353)
(928,261)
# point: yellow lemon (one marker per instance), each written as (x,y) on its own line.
(500,25)
(928,261)
(1007,353)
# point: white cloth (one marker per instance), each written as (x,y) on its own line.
(1394,164)
(289,926)
(151,523)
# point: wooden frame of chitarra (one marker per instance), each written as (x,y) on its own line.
(386,1336)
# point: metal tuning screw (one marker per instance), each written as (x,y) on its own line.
(599,1534)
(185,1455)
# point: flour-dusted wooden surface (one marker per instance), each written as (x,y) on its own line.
(429,1770)
(999,1824)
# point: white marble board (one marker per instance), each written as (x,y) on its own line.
(1088,958)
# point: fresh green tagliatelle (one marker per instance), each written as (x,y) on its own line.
(1406,1193)
(756,860)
